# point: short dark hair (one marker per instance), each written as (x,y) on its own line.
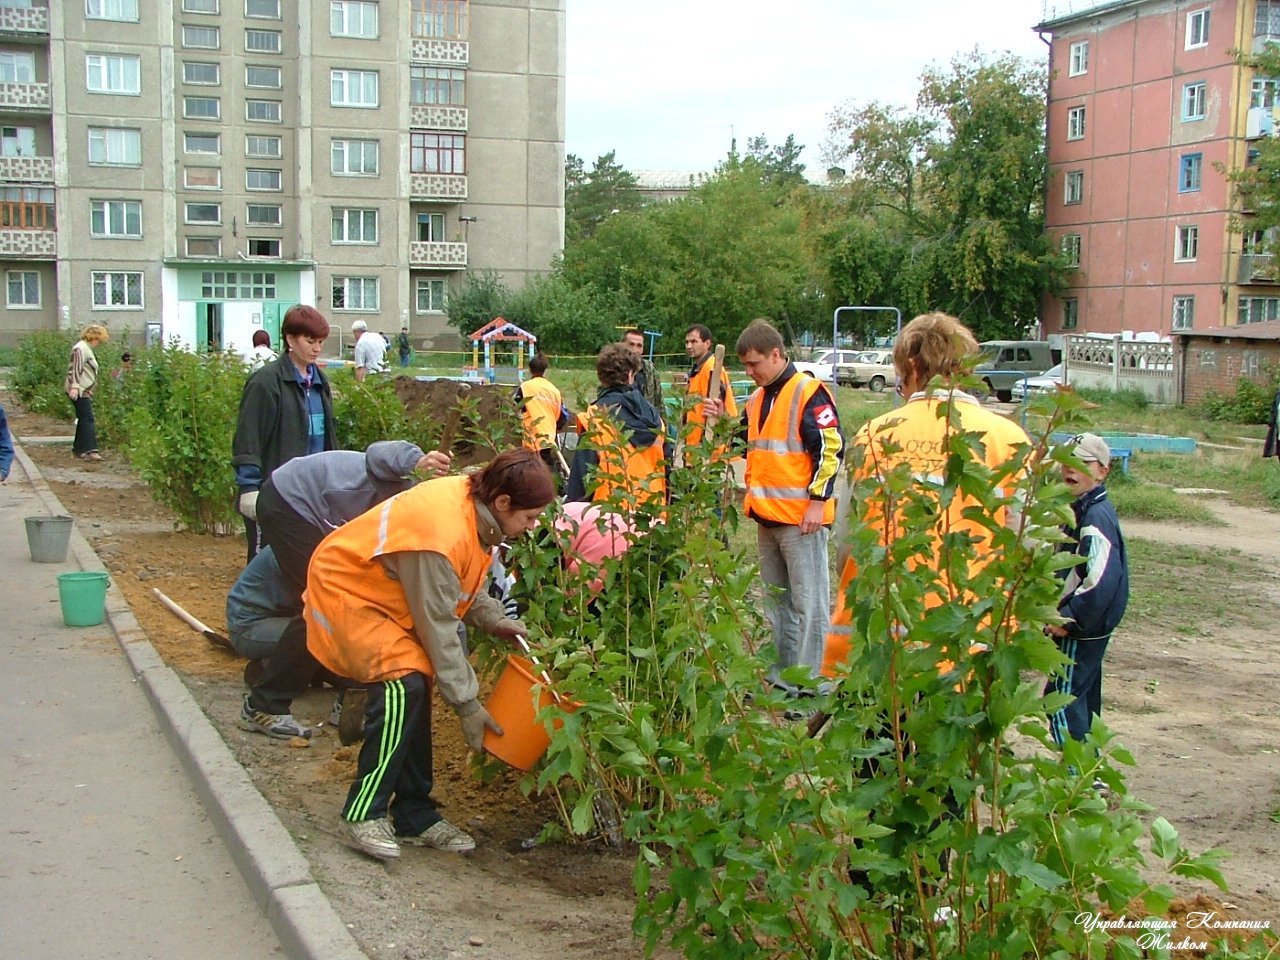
(538,365)
(261,338)
(519,474)
(761,336)
(302,320)
(633,332)
(613,364)
(701,329)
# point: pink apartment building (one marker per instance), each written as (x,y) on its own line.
(1147,112)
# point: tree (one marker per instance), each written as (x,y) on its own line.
(591,197)
(780,166)
(1257,185)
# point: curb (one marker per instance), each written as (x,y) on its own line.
(274,869)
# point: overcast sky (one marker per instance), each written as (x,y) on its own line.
(667,83)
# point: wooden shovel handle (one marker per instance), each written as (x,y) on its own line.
(713,388)
(196,625)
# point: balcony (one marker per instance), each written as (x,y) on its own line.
(25,97)
(453,53)
(1257,268)
(27,230)
(425,116)
(437,186)
(26,169)
(23,21)
(438,255)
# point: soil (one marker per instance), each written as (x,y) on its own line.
(1206,749)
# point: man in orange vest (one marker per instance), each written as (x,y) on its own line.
(540,410)
(794,449)
(697,344)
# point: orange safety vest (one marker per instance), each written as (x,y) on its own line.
(542,402)
(359,624)
(700,386)
(779,470)
(914,433)
(642,475)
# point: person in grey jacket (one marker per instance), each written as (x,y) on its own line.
(1095,591)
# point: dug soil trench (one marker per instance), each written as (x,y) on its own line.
(1198,712)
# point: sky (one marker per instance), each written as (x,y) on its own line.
(669,83)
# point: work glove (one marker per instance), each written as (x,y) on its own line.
(248,505)
(474,719)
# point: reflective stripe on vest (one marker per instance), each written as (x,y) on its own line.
(779,469)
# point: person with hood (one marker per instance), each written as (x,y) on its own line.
(625,444)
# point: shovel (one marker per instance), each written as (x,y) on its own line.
(198,626)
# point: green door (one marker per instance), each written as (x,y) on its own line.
(271,322)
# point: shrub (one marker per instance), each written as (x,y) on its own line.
(365,411)
(1129,400)
(43,357)
(1251,402)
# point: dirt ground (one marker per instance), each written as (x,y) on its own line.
(1198,713)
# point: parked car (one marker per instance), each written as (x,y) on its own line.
(1006,362)
(1047,382)
(828,365)
(872,369)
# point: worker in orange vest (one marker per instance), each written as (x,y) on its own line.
(385,594)
(794,449)
(626,444)
(697,344)
(541,406)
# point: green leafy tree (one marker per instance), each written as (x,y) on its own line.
(779,165)
(1257,184)
(592,196)
(481,297)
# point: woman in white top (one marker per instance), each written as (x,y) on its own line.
(261,354)
(82,377)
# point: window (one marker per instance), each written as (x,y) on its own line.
(353,18)
(355,158)
(117,290)
(263,215)
(353,88)
(1188,244)
(355,293)
(262,180)
(17,141)
(200,38)
(1075,123)
(255,146)
(201,108)
(17,67)
(1262,92)
(437,153)
(107,73)
(202,178)
(446,19)
(200,73)
(1070,313)
(1079,58)
(1258,309)
(1197,29)
(266,77)
(115,218)
(229,285)
(264,247)
(430,227)
(1184,313)
(1266,19)
(262,41)
(437,85)
(1071,249)
(111,10)
(1190,171)
(262,111)
(199,6)
(22,289)
(204,246)
(118,147)
(202,212)
(201,143)
(355,225)
(430,295)
(1073,187)
(1193,97)
(262,9)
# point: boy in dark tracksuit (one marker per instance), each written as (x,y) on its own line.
(1095,591)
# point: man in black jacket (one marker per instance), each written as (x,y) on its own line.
(1095,591)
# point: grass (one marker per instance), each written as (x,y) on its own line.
(1194,591)
(1145,501)
(1248,479)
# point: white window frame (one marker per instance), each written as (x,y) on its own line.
(278,84)
(23,277)
(248,4)
(342,23)
(343,146)
(1184,312)
(217,73)
(1071,197)
(1075,122)
(17,141)
(249,104)
(17,66)
(1078,60)
(216,253)
(1195,100)
(125,11)
(1186,243)
(427,284)
(1269,309)
(270,174)
(188,115)
(113,147)
(115,217)
(116,74)
(260,154)
(186,213)
(190,31)
(352,225)
(107,279)
(217,139)
(432,218)
(201,6)
(349,87)
(188,185)
(1197,29)
(265,34)
(250,221)
(350,284)
(1071,247)
(446,78)
(279,248)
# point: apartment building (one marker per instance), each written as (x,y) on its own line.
(1148,112)
(192,168)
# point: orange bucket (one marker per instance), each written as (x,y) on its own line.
(523,740)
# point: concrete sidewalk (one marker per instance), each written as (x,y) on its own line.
(107,850)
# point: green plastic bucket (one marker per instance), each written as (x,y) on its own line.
(83,597)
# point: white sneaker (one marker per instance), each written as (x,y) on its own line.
(443,835)
(374,837)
